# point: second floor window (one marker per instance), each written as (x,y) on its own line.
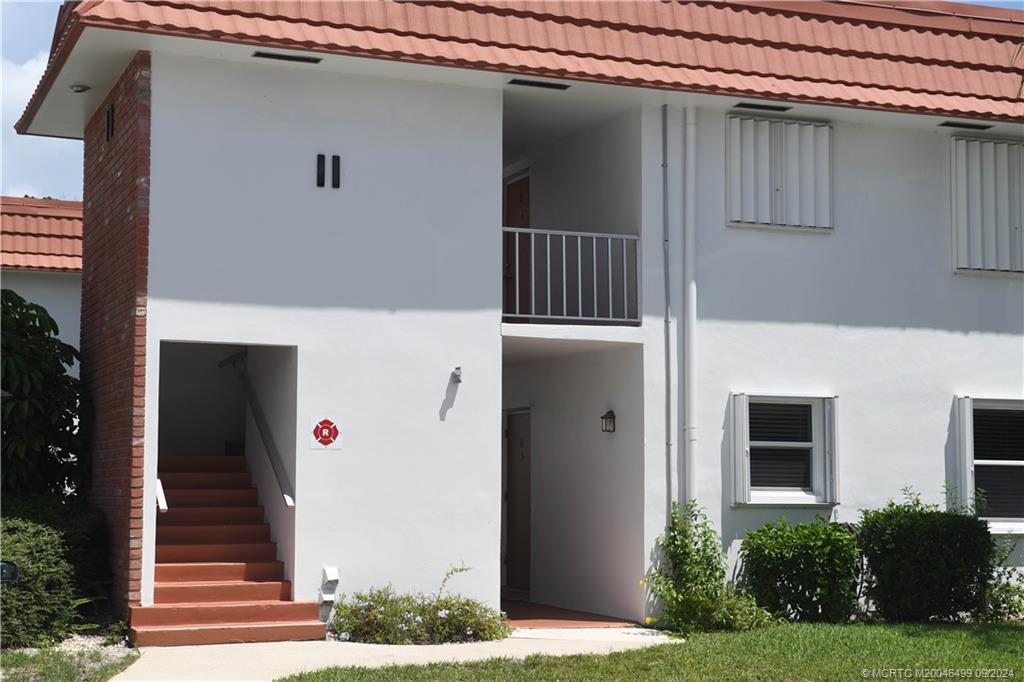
(778,173)
(987,200)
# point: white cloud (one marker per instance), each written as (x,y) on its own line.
(39,166)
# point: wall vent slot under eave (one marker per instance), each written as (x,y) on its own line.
(302,59)
(752,106)
(965,126)
(538,84)
(109,130)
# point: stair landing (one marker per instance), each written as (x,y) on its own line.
(217,579)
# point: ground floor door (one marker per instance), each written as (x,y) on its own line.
(517,501)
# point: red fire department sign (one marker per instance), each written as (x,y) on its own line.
(324,434)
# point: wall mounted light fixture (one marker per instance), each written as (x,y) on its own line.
(608,422)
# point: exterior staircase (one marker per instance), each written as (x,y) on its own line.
(217,578)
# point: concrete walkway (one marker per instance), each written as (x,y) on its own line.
(276,659)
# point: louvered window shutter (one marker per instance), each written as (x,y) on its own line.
(831,406)
(987,200)
(964,481)
(740,449)
(779,172)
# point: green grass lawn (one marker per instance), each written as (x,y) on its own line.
(785,652)
(54,665)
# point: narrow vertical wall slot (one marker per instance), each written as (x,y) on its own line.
(110,123)
(335,171)
(321,162)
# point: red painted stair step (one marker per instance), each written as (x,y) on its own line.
(224,570)
(212,534)
(202,480)
(192,463)
(238,497)
(212,516)
(255,551)
(228,612)
(227,633)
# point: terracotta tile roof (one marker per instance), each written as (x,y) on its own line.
(40,234)
(940,58)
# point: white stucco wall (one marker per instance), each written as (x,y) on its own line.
(587,501)
(59,292)
(382,287)
(590,181)
(872,313)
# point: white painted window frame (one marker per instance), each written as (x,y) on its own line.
(964,482)
(824,454)
(777,170)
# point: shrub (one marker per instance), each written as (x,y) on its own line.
(39,608)
(83,532)
(925,564)
(42,449)
(1004,596)
(381,616)
(688,579)
(806,571)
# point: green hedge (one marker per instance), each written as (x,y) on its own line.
(805,572)
(39,608)
(83,531)
(924,564)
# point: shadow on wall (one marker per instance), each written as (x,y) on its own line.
(450,392)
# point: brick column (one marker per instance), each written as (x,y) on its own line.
(115,258)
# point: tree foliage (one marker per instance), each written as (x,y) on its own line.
(43,413)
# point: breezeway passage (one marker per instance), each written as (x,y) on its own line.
(270,660)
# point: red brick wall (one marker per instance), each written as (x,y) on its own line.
(115,254)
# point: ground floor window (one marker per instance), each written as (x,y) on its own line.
(784,449)
(992,457)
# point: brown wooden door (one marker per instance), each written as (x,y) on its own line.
(517,214)
(517,486)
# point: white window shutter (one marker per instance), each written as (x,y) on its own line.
(964,474)
(779,172)
(831,450)
(740,448)
(987,204)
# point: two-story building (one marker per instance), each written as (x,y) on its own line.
(372,289)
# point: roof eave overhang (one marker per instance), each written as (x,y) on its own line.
(26,125)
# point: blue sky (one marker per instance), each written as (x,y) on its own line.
(40,166)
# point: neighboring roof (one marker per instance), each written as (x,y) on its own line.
(926,57)
(40,234)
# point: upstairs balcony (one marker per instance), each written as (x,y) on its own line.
(567,277)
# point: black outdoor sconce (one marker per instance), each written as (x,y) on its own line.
(608,422)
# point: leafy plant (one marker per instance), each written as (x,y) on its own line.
(40,607)
(925,564)
(42,447)
(1004,595)
(688,579)
(83,532)
(806,571)
(382,616)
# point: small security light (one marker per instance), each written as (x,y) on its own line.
(608,422)
(457,375)
(79,88)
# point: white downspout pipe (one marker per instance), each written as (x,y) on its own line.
(689,364)
(667,278)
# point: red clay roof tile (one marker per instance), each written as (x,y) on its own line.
(40,234)
(939,58)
